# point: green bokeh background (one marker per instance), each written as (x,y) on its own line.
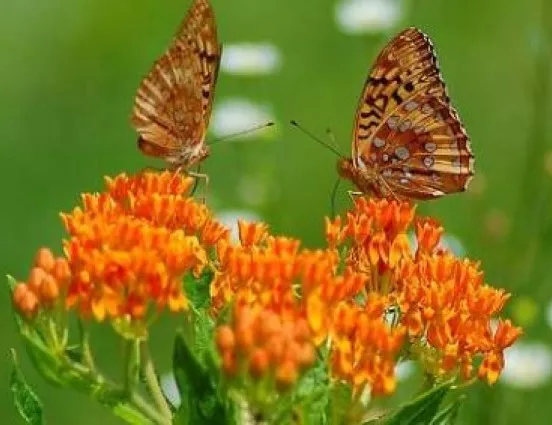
(68,75)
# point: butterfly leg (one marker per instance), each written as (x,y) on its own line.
(203,176)
(354,194)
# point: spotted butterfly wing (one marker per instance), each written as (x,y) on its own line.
(173,103)
(408,141)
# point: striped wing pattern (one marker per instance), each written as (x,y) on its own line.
(173,103)
(408,140)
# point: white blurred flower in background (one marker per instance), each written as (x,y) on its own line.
(453,244)
(528,365)
(234,115)
(230,219)
(367,16)
(404,370)
(250,58)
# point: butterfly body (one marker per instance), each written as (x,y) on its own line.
(173,104)
(365,179)
(408,141)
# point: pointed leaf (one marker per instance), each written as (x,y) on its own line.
(311,395)
(448,415)
(26,401)
(421,410)
(198,392)
(197,289)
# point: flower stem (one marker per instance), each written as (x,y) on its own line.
(153,385)
(87,357)
(147,409)
(132,365)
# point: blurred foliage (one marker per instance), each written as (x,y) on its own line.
(68,78)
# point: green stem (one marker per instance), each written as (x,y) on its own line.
(87,357)
(131,365)
(153,385)
(144,407)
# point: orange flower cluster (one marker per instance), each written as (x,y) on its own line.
(364,347)
(274,274)
(277,274)
(130,246)
(261,269)
(442,300)
(263,343)
(47,279)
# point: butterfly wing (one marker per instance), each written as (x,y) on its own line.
(167,107)
(199,30)
(430,154)
(173,103)
(405,130)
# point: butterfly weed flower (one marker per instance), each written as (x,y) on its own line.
(442,302)
(48,278)
(365,349)
(264,344)
(130,246)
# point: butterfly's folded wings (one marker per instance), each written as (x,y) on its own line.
(405,129)
(173,104)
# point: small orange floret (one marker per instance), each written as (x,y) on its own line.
(259,362)
(212,232)
(252,233)
(334,231)
(45,259)
(428,234)
(286,375)
(49,290)
(491,367)
(267,341)
(224,338)
(36,276)
(61,271)
(25,301)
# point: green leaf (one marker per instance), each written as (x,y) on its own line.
(200,400)
(448,415)
(117,401)
(26,401)
(197,289)
(312,395)
(40,355)
(421,410)
(339,408)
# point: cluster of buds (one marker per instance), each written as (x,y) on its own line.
(265,345)
(44,287)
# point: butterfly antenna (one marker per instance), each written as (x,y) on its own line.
(241,133)
(332,138)
(316,139)
(334,193)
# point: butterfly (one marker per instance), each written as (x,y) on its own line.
(408,141)
(173,103)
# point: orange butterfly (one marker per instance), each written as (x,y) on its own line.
(408,141)
(173,103)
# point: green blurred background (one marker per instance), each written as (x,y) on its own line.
(69,73)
